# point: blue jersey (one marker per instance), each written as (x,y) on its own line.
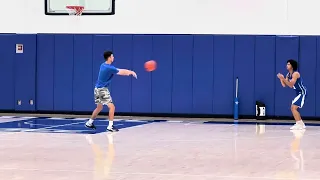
(298,86)
(106,74)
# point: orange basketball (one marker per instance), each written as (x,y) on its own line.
(150,65)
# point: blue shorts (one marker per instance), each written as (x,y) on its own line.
(299,100)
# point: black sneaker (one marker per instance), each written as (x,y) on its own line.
(91,126)
(113,129)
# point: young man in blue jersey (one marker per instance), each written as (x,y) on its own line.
(294,80)
(101,91)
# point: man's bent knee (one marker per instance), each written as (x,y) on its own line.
(99,107)
(294,107)
(111,106)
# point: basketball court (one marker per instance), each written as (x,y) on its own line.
(58,148)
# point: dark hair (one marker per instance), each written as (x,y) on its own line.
(107,54)
(293,63)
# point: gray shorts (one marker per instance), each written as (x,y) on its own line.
(102,96)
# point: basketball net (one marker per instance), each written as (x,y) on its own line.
(75,10)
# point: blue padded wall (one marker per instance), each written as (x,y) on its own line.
(195,75)
(63,72)
(141,87)
(264,72)
(244,69)
(82,89)
(307,68)
(162,77)
(317,83)
(25,72)
(45,72)
(202,74)
(121,86)
(182,70)
(223,79)
(7,56)
(286,48)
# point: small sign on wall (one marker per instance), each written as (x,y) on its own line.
(19,48)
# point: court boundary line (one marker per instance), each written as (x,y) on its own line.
(35,130)
(49,127)
(189,122)
(157,174)
(30,123)
(4,133)
(152,122)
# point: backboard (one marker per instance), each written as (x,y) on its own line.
(91,7)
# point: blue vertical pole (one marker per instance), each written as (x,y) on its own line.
(236,102)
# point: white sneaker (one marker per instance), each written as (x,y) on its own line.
(298,127)
(292,127)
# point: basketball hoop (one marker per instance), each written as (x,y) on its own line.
(75,10)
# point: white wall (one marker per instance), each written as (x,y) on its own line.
(172,16)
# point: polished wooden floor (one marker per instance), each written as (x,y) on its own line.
(62,149)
